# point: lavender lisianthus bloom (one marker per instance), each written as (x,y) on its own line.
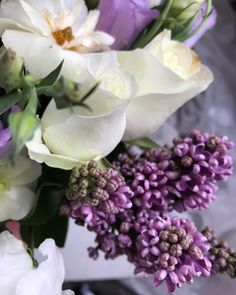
(5,135)
(210,23)
(124,20)
(5,140)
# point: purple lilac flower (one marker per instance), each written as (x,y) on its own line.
(95,196)
(202,160)
(172,250)
(210,23)
(184,178)
(124,20)
(148,179)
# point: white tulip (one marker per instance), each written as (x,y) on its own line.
(19,277)
(16,196)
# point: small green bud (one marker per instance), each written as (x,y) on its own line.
(10,67)
(185,9)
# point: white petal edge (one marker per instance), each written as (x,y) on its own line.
(16,203)
(147,113)
(48,277)
(15,262)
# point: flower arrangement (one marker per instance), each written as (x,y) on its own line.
(83,84)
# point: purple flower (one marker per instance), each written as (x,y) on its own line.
(5,134)
(210,23)
(5,140)
(184,178)
(95,196)
(172,250)
(124,20)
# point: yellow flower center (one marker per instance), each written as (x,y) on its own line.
(63,36)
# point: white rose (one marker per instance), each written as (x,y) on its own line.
(168,74)
(19,277)
(176,56)
(16,196)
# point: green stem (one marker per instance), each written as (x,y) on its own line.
(155,28)
(31,240)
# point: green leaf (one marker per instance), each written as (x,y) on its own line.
(50,199)
(52,77)
(145,142)
(56,229)
(23,126)
(7,101)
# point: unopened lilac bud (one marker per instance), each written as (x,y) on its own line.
(101,182)
(176,250)
(125,227)
(164,246)
(195,252)
(173,238)
(186,161)
(164,235)
(83,171)
(185,243)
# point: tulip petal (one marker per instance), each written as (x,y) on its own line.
(48,277)
(16,203)
(14,262)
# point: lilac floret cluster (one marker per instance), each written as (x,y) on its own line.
(184,177)
(171,250)
(96,196)
(127,206)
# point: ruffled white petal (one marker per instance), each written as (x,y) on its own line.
(85,138)
(151,75)
(36,18)
(14,263)
(23,172)
(16,203)
(48,277)
(41,154)
(148,112)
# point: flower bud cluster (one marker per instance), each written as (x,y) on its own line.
(222,257)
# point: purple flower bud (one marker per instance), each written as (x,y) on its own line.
(124,20)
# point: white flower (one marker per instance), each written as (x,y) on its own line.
(16,196)
(167,74)
(66,23)
(19,277)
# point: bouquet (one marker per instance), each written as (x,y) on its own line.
(83,84)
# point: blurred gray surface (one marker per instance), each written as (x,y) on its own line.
(213,111)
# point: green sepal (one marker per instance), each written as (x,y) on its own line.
(9,100)
(52,77)
(145,143)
